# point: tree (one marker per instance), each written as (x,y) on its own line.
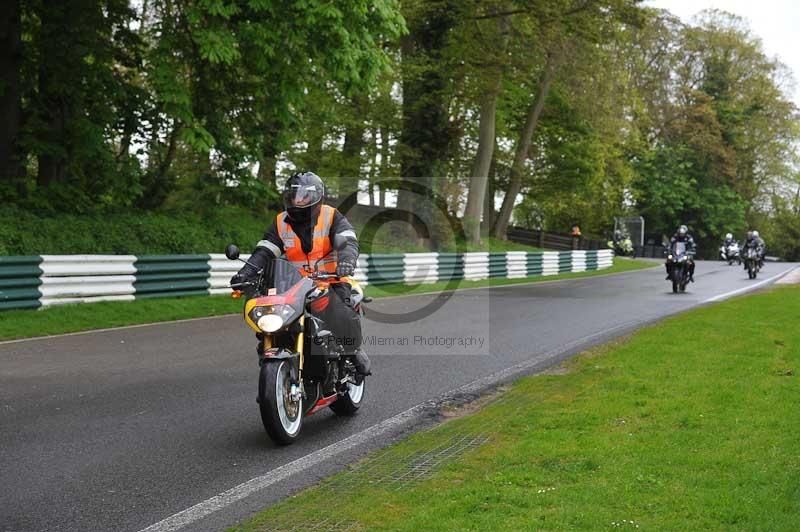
(11,164)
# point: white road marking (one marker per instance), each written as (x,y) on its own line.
(237,493)
(748,288)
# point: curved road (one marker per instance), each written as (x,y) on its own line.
(120,429)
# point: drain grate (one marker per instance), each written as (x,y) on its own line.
(393,470)
(329,524)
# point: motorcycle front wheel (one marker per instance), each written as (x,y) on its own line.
(282,416)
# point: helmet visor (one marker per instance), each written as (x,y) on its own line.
(301,196)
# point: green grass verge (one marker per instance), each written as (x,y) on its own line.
(687,425)
(80,317)
(87,316)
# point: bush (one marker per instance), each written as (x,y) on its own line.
(134,233)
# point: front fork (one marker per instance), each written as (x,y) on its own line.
(296,362)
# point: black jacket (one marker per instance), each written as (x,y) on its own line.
(690,245)
(271,245)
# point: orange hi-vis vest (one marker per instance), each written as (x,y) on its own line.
(322,249)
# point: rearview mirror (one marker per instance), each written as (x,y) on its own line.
(232,252)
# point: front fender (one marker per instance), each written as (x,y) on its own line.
(278,353)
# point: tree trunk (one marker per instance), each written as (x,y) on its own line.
(426,136)
(266,168)
(524,145)
(486,143)
(489,213)
(314,151)
(268,162)
(11,166)
(384,169)
(58,64)
(373,165)
(481,165)
(351,151)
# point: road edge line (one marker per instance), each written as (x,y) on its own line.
(750,288)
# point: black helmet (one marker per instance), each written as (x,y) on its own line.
(301,194)
(683,230)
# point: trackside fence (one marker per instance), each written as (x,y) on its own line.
(40,281)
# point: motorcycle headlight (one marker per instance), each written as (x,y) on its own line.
(271,318)
(270,323)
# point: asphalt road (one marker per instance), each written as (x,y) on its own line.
(120,429)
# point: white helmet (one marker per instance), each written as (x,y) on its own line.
(755,234)
(728,236)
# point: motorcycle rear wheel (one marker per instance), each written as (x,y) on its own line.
(348,403)
(282,417)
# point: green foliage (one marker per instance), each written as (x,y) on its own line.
(127,102)
(131,232)
(198,105)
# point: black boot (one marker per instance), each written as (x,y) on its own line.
(362,364)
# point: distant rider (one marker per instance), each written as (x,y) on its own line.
(729,239)
(755,241)
(682,235)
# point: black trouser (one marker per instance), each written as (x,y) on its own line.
(341,317)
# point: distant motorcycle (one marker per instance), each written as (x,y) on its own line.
(680,260)
(730,253)
(751,259)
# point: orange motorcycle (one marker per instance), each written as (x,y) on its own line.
(302,366)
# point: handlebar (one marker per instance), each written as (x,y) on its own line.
(323,275)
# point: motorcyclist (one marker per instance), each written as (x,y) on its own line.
(755,241)
(682,235)
(729,239)
(726,245)
(304,233)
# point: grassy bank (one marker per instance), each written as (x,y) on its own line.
(81,317)
(687,425)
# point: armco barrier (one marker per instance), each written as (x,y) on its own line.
(172,275)
(36,281)
(20,278)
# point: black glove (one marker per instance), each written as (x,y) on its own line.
(243,275)
(345,267)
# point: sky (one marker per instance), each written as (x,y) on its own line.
(774,21)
